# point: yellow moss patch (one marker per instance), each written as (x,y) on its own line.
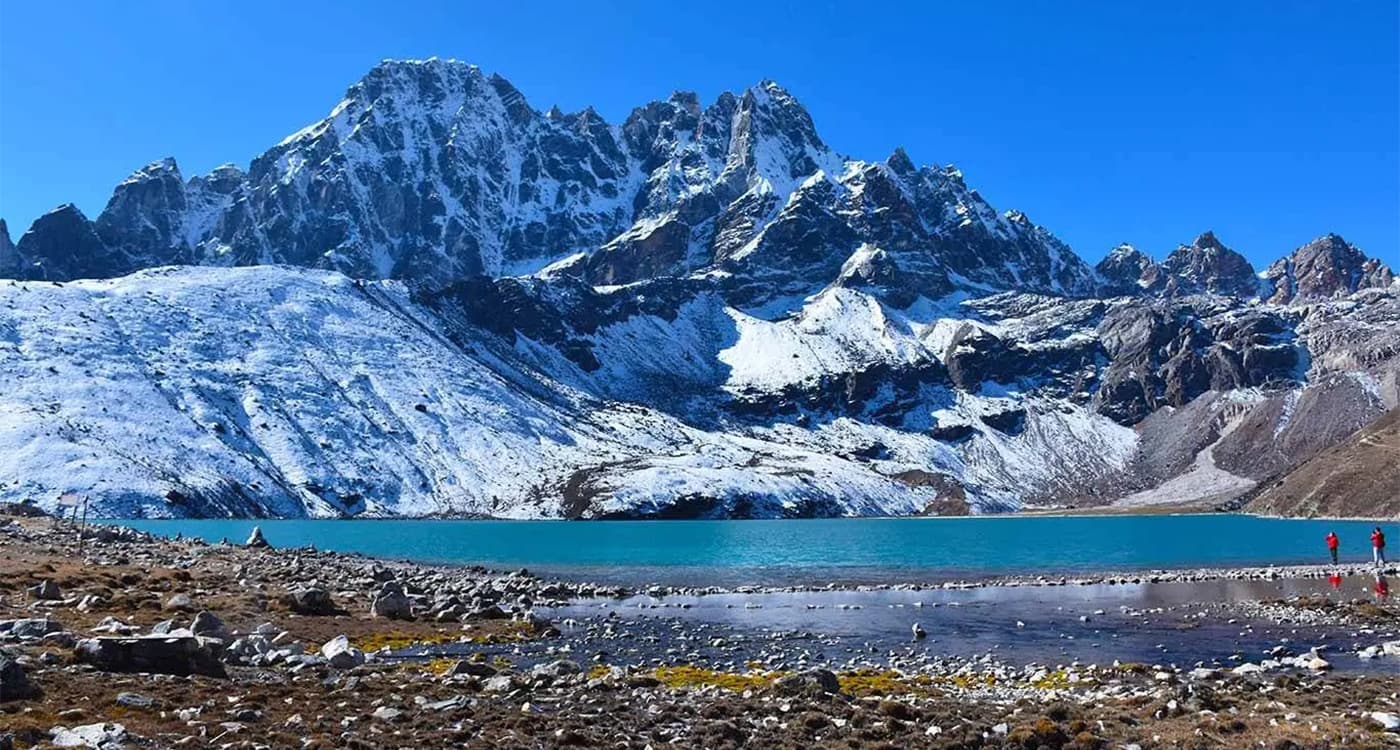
(439,666)
(1056,680)
(394,640)
(598,670)
(868,682)
(687,676)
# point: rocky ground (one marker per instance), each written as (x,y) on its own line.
(146,642)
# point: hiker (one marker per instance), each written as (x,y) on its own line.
(1378,545)
(1332,542)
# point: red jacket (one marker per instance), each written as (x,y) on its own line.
(1332,541)
(1378,540)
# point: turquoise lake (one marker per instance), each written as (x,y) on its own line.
(790,552)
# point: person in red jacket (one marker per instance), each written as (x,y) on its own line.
(1378,545)
(1332,542)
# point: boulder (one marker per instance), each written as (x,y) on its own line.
(392,602)
(159,654)
(310,600)
(340,654)
(46,589)
(209,625)
(488,612)
(256,539)
(29,628)
(1389,722)
(14,682)
(100,736)
(560,668)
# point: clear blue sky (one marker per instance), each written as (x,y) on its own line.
(1269,121)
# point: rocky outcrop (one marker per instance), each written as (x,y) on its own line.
(9,256)
(1168,353)
(1327,268)
(61,245)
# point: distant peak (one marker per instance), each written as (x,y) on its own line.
(900,162)
(686,99)
(430,62)
(64,208)
(1208,239)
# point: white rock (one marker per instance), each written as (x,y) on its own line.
(1389,721)
(90,735)
(340,654)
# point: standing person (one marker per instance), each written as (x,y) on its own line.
(1378,545)
(1332,543)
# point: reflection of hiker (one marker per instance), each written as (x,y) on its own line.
(1378,545)
(1382,586)
(1336,580)
(1332,542)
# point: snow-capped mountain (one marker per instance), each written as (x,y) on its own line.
(439,300)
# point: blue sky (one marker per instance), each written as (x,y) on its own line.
(1269,122)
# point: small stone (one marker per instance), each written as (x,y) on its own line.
(385,713)
(473,669)
(135,700)
(180,603)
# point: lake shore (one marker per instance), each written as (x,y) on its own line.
(451,655)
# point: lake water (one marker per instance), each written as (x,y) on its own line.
(788,552)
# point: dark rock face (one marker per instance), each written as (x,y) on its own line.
(9,256)
(63,245)
(1204,267)
(1125,270)
(1168,353)
(1326,268)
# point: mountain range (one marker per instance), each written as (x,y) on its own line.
(439,300)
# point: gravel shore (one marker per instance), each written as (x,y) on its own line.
(149,642)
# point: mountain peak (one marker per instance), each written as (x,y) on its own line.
(900,162)
(1326,268)
(1207,239)
(1207,266)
